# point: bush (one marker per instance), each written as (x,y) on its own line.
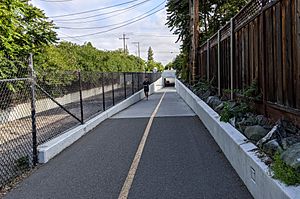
(284,172)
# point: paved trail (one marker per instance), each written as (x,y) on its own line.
(179,159)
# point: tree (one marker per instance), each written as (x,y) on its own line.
(150,55)
(24,29)
(212,15)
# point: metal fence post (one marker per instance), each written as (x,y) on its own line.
(33,111)
(132,83)
(138,79)
(80,96)
(103,92)
(113,89)
(125,84)
(232,49)
(219,63)
(208,60)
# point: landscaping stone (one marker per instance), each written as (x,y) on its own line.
(249,120)
(272,147)
(232,121)
(262,120)
(219,108)
(205,95)
(289,127)
(277,132)
(213,101)
(255,133)
(292,156)
(289,141)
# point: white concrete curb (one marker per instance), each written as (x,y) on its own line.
(53,147)
(240,153)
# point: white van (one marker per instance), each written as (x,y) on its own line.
(169,77)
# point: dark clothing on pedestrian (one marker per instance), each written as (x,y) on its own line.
(146,84)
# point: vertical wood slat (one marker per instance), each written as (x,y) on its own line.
(251,52)
(289,53)
(287,59)
(278,53)
(297,51)
(256,49)
(294,51)
(246,57)
(232,61)
(207,60)
(262,58)
(283,38)
(269,54)
(236,58)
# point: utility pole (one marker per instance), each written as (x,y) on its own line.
(194,25)
(124,42)
(139,51)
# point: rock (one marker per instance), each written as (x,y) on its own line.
(205,95)
(292,156)
(289,127)
(255,133)
(277,132)
(250,120)
(262,120)
(289,141)
(219,108)
(272,147)
(213,101)
(232,121)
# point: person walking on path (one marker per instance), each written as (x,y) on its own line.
(146,84)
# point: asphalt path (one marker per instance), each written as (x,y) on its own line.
(180,159)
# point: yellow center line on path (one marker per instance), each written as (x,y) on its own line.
(135,163)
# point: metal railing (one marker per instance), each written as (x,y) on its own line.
(38,108)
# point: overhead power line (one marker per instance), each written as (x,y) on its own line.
(94,10)
(101,14)
(111,25)
(75,20)
(101,32)
(69,36)
(146,35)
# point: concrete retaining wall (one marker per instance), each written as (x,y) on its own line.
(53,147)
(24,110)
(240,153)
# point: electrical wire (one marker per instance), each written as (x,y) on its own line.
(100,27)
(92,16)
(94,10)
(101,32)
(123,9)
(69,36)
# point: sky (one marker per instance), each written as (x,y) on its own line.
(97,18)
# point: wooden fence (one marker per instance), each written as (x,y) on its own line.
(262,43)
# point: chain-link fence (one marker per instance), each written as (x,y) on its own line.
(35,110)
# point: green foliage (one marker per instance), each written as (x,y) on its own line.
(252,91)
(285,173)
(234,110)
(150,55)
(226,113)
(69,56)
(23,163)
(24,29)
(212,14)
(179,64)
